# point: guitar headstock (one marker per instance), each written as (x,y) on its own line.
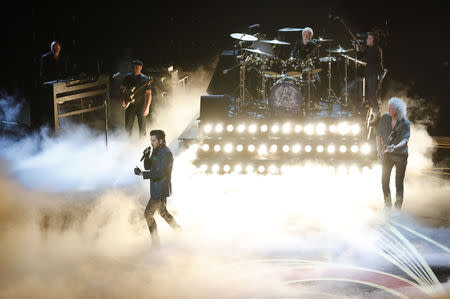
(150,80)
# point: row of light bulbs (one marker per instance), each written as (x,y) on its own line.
(264,149)
(272,169)
(342,128)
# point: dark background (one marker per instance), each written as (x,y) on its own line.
(188,35)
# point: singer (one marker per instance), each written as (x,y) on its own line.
(159,170)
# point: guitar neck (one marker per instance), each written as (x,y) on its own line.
(140,88)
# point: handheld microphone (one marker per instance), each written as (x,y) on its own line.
(146,155)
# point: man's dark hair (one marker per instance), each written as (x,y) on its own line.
(137,62)
(159,134)
(375,38)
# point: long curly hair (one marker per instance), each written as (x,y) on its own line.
(399,106)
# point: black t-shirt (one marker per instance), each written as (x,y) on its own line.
(372,55)
(52,69)
(130,81)
(301,50)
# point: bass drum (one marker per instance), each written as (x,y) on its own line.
(286,97)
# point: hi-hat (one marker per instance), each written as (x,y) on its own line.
(244,37)
(257,51)
(275,42)
(291,29)
(339,49)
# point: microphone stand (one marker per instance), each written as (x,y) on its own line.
(229,69)
(349,31)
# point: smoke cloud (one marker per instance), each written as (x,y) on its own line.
(72,226)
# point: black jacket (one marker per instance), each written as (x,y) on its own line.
(301,50)
(401,132)
(159,171)
(373,57)
(51,69)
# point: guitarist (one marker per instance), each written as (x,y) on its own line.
(392,146)
(136,104)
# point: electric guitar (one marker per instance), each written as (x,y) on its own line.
(129,94)
(381,81)
(389,142)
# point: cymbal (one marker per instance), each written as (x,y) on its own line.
(291,29)
(312,71)
(326,59)
(244,37)
(257,51)
(321,40)
(275,42)
(339,49)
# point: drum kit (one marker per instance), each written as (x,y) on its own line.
(285,80)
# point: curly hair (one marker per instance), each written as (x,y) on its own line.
(399,105)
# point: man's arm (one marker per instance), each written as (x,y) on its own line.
(405,133)
(42,70)
(147,159)
(381,59)
(161,170)
(294,50)
(148,100)
(379,141)
(122,93)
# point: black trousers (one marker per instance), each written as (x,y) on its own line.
(372,84)
(133,111)
(400,169)
(158,204)
(42,112)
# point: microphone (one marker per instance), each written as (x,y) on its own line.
(332,16)
(146,155)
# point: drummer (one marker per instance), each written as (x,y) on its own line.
(305,46)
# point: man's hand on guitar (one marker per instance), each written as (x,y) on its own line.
(389,148)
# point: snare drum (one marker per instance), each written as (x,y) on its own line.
(273,67)
(292,67)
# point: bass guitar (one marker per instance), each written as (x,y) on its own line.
(128,95)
